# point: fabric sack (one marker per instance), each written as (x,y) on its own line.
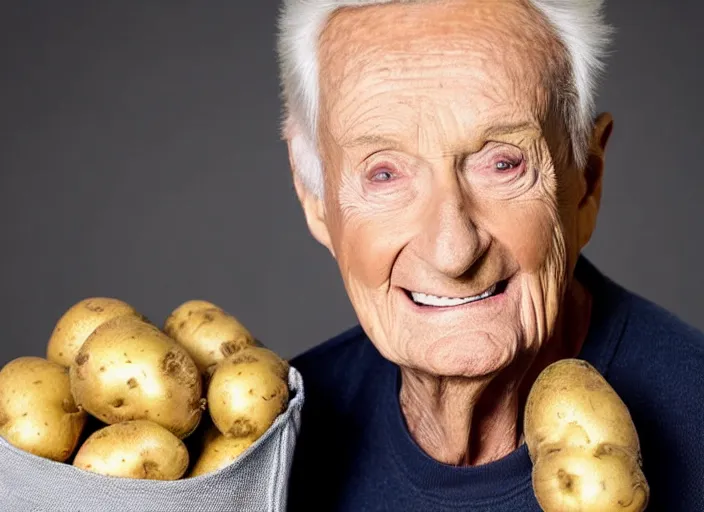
(256,482)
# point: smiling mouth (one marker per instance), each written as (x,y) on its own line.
(435,301)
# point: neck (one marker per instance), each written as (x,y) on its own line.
(464,421)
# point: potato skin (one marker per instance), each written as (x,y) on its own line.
(602,480)
(273,363)
(218,451)
(129,370)
(583,443)
(209,334)
(570,400)
(247,391)
(134,449)
(76,324)
(185,310)
(37,411)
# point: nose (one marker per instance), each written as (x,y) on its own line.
(450,241)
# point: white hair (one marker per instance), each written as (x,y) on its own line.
(578,24)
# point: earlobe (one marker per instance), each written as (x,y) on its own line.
(313,206)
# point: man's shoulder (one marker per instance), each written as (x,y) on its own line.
(659,352)
(338,366)
(330,355)
(649,328)
(654,331)
(658,370)
(658,367)
(332,348)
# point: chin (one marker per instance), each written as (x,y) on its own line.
(472,355)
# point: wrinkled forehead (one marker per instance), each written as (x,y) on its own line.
(490,52)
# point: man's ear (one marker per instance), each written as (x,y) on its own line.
(313,205)
(593,176)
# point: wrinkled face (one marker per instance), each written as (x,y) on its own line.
(453,220)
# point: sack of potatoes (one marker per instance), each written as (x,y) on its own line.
(124,415)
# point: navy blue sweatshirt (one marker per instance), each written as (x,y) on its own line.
(355,454)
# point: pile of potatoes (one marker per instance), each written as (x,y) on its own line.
(119,396)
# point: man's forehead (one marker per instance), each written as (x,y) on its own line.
(485,26)
(472,55)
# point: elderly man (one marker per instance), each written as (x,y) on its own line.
(447,155)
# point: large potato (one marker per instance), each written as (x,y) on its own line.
(209,334)
(37,412)
(128,370)
(134,449)
(76,324)
(218,451)
(247,391)
(583,443)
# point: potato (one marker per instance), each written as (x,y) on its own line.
(603,480)
(275,364)
(129,370)
(76,324)
(92,425)
(247,391)
(37,412)
(218,451)
(134,449)
(208,333)
(583,443)
(185,310)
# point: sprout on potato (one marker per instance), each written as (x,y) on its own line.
(79,322)
(208,333)
(247,391)
(583,443)
(37,411)
(134,449)
(128,370)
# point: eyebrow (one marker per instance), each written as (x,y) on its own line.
(510,128)
(373,140)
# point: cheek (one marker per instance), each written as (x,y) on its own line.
(365,254)
(369,233)
(366,245)
(530,231)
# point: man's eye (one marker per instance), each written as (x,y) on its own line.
(504,165)
(382,175)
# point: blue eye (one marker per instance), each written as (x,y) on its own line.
(503,165)
(382,176)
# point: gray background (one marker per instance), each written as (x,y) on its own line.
(140,159)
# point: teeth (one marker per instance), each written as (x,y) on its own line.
(433,300)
